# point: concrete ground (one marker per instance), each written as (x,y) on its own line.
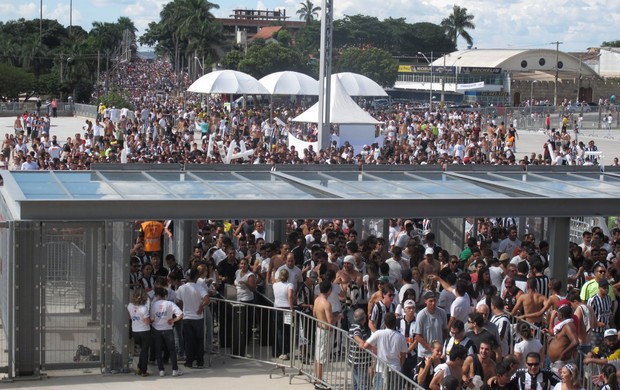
(225,373)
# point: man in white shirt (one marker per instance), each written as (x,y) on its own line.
(195,298)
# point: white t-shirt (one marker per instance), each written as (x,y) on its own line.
(244,294)
(461,308)
(161,312)
(280,294)
(191,294)
(526,346)
(294,275)
(138,314)
(396,271)
(390,344)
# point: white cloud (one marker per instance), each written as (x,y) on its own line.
(29,11)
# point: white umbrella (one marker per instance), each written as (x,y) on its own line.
(228,82)
(358,85)
(290,83)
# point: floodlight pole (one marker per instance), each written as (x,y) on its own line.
(325,75)
(430,93)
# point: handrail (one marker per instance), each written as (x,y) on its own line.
(288,339)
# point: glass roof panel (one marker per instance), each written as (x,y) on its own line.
(172,176)
(38,190)
(124,176)
(266,185)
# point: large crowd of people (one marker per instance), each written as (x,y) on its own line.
(164,126)
(486,317)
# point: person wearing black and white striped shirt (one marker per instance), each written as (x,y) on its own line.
(602,306)
(502,321)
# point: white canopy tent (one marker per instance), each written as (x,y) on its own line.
(228,82)
(356,125)
(343,110)
(290,83)
(359,85)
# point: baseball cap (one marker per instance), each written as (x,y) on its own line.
(611,333)
(383,279)
(428,295)
(429,251)
(312,275)
(603,283)
(409,303)
(349,259)
(408,222)
(504,257)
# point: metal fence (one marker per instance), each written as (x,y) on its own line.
(71,311)
(17,108)
(296,344)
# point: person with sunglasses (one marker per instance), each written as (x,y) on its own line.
(533,377)
(591,287)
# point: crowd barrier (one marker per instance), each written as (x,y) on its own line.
(288,340)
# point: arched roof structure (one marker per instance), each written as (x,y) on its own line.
(538,64)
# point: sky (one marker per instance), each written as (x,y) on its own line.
(506,24)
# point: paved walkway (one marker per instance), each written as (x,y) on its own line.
(225,373)
(529,140)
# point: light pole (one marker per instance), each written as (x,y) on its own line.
(430,93)
(532,96)
(199,63)
(443,79)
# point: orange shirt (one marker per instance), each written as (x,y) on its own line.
(152,231)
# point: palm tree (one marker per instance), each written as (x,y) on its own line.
(457,25)
(308,12)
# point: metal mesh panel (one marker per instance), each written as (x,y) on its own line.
(71,278)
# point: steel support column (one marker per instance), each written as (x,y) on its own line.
(559,230)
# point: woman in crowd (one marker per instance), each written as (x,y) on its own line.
(139,309)
(570,379)
(284,298)
(609,378)
(426,368)
(527,344)
(163,315)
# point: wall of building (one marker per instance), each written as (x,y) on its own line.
(567,89)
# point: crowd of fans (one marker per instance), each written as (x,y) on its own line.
(164,126)
(487,317)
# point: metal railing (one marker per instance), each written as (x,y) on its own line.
(297,345)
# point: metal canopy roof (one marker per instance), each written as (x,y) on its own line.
(219,194)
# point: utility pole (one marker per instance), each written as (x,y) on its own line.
(557,70)
(325,75)
(41,22)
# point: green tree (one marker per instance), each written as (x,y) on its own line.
(308,39)
(186,28)
(610,44)
(232,59)
(14,81)
(308,12)
(457,24)
(430,37)
(263,59)
(376,64)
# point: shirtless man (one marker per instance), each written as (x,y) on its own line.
(348,273)
(323,264)
(471,368)
(529,303)
(429,266)
(586,318)
(563,340)
(322,311)
(555,286)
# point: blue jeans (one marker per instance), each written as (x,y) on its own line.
(164,337)
(378,381)
(360,376)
